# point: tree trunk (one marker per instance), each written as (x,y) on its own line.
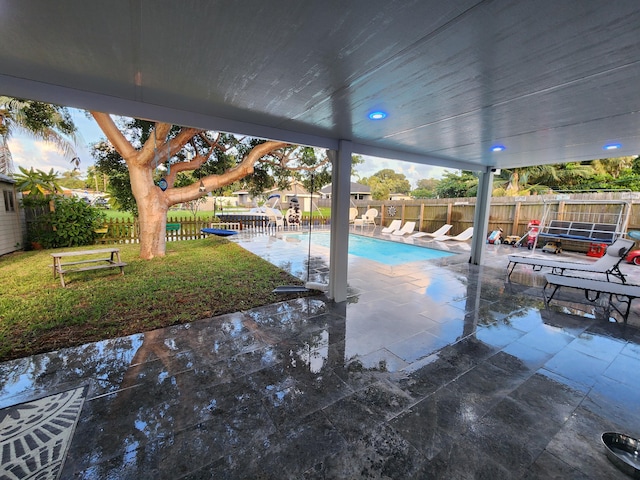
(152,212)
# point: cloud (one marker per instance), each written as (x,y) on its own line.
(413,171)
(28,153)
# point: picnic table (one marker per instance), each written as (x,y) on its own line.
(61,267)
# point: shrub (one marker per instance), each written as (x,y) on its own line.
(71,223)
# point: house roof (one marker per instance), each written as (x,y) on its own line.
(550,81)
(5,179)
(296,188)
(354,188)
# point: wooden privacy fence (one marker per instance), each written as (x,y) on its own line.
(511,214)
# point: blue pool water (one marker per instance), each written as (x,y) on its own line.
(383,251)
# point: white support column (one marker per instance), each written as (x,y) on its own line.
(340,196)
(481,216)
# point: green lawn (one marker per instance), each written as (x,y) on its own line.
(196,279)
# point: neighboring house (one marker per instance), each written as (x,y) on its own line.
(296,189)
(244,199)
(399,196)
(11,236)
(357,191)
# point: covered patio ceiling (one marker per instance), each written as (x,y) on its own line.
(550,81)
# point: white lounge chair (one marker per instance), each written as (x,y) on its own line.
(406,228)
(609,264)
(393,226)
(592,290)
(461,237)
(438,233)
(276,219)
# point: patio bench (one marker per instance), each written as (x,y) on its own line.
(112,261)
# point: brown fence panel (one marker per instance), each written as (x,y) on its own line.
(526,212)
(121,231)
(461,216)
(189,229)
(500,217)
(433,217)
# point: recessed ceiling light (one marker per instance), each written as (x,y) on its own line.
(498,148)
(377,115)
(612,146)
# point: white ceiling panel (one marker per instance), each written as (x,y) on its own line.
(552,81)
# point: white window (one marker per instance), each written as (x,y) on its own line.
(9,204)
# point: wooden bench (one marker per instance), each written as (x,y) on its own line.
(624,293)
(111,261)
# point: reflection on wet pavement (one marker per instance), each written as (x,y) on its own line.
(429,370)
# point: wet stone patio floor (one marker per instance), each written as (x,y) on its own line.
(437,369)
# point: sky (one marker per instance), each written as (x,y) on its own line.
(28,153)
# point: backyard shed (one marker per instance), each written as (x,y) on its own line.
(11,236)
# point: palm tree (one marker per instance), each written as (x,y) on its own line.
(524,180)
(43,121)
(565,176)
(612,166)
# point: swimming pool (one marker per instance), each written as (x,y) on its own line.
(378,250)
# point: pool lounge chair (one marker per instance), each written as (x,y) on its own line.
(438,233)
(461,237)
(609,264)
(276,219)
(407,228)
(622,293)
(393,226)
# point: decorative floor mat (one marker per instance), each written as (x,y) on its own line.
(35,435)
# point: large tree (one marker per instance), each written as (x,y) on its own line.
(385,182)
(426,188)
(457,184)
(215,159)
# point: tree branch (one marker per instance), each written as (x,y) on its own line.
(283,164)
(212,182)
(193,164)
(157,144)
(115,136)
(213,144)
(182,138)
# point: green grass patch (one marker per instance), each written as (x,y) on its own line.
(196,279)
